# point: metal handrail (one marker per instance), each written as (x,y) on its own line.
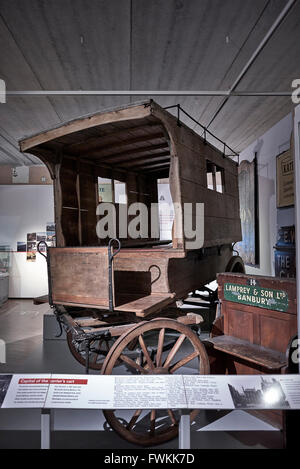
(206,131)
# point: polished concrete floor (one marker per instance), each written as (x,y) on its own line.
(21,327)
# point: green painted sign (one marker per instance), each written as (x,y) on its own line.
(256,296)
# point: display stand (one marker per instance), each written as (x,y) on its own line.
(47,425)
(184,436)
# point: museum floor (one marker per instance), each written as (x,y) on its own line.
(21,327)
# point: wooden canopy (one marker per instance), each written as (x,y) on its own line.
(131,139)
(136,144)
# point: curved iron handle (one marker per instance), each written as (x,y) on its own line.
(111,256)
(110,245)
(40,252)
(235,250)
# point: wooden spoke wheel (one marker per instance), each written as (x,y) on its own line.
(98,351)
(156,426)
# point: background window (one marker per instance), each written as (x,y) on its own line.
(105,190)
(111,190)
(120,192)
(214,177)
(219,179)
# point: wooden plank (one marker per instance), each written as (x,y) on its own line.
(88,191)
(150,166)
(73,299)
(134,112)
(135,163)
(216,204)
(265,357)
(135,143)
(142,307)
(124,155)
(39,300)
(79,276)
(129,136)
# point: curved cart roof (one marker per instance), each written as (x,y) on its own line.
(132,137)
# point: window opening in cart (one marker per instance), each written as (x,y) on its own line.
(111,190)
(165,209)
(214,177)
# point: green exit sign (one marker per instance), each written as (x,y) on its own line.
(256,296)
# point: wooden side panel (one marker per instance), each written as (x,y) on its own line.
(276,332)
(239,324)
(188,274)
(88,197)
(75,204)
(221,211)
(178,275)
(153,269)
(69,203)
(79,276)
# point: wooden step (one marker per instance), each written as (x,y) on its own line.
(146,305)
(39,300)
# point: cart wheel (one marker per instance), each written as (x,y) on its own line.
(98,351)
(236,264)
(154,427)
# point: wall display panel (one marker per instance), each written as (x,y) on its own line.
(248,248)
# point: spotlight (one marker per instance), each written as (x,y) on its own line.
(271,396)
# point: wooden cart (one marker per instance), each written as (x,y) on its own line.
(113,296)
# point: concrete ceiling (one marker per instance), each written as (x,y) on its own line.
(144,45)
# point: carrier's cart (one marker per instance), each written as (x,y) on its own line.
(118,302)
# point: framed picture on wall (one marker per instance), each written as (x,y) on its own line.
(248,248)
(285,179)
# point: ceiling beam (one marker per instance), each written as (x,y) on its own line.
(95,142)
(105,149)
(150,166)
(151,159)
(149,93)
(123,156)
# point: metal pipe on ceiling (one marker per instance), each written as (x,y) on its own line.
(227,93)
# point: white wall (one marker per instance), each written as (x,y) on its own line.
(268,146)
(25,209)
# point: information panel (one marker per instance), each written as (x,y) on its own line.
(24,391)
(243,391)
(150,391)
(116,392)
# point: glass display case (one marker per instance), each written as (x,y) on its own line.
(4,259)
